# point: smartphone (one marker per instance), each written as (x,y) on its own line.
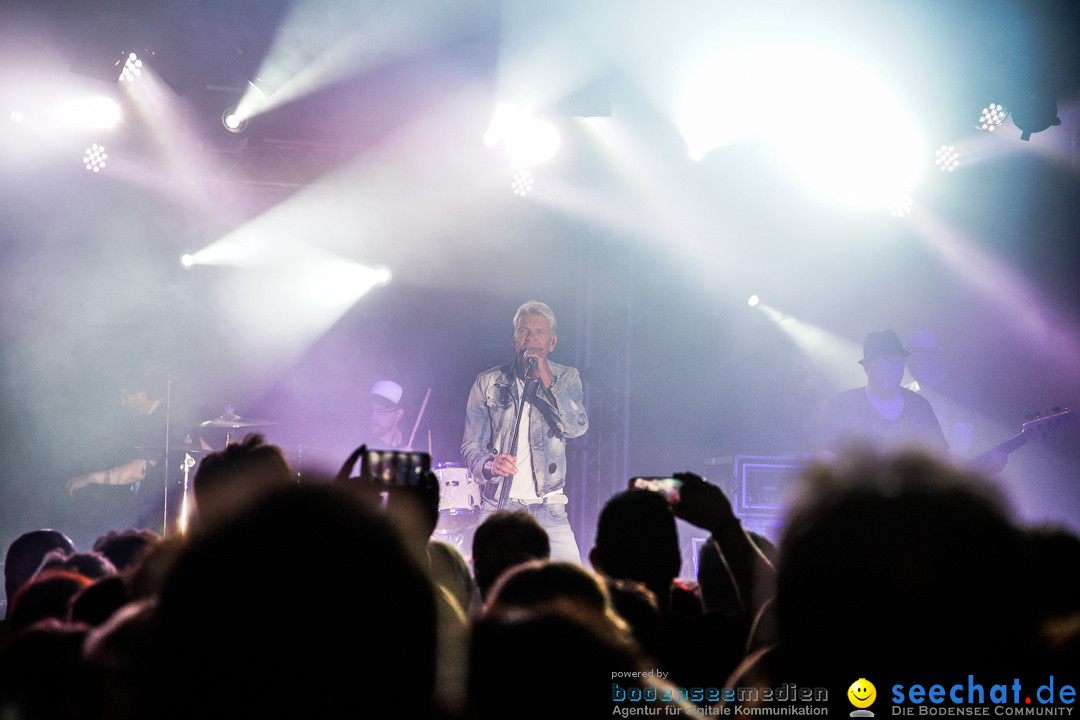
(669,487)
(393,468)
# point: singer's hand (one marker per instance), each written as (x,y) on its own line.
(504,465)
(542,370)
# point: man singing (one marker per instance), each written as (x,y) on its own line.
(553,412)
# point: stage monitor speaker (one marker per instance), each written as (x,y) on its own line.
(757,485)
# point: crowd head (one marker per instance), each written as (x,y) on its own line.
(312,600)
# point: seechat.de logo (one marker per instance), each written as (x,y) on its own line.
(862,694)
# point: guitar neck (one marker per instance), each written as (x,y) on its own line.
(1036,429)
(981,462)
(1014,443)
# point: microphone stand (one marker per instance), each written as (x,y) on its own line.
(185,511)
(508,480)
(165,460)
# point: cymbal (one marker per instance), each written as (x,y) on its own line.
(176,447)
(234,422)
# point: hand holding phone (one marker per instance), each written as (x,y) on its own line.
(703,504)
(669,487)
(395,469)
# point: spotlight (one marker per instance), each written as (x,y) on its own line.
(17,116)
(522,184)
(232,121)
(132,68)
(187,260)
(527,140)
(99,113)
(533,143)
(992,117)
(753,301)
(94,158)
(383,275)
(947,158)
(901,206)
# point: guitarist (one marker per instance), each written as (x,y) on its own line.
(883,414)
(886,415)
(517,421)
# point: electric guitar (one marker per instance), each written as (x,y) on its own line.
(1036,429)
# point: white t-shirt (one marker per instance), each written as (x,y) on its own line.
(523,487)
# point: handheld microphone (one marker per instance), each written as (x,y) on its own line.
(529,361)
(531,375)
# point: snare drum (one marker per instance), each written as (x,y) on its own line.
(458,494)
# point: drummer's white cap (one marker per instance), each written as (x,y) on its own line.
(387,389)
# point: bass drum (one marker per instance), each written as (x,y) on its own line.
(459,497)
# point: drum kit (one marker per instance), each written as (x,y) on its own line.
(459,503)
(459,494)
(228,422)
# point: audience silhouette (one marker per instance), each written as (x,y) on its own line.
(25,554)
(904,565)
(309,604)
(503,540)
(330,599)
(637,540)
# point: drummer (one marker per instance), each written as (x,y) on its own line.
(142,396)
(382,418)
(127,488)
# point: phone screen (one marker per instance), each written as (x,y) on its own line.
(666,486)
(393,468)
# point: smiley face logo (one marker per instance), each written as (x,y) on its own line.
(862,693)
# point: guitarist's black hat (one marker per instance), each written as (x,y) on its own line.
(879,344)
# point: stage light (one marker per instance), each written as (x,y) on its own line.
(852,140)
(98,113)
(334,284)
(233,122)
(992,116)
(17,116)
(252,102)
(838,127)
(522,184)
(753,301)
(187,260)
(94,158)
(729,96)
(902,206)
(527,140)
(1035,113)
(132,68)
(947,158)
(532,143)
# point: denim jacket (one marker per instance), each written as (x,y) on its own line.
(489,425)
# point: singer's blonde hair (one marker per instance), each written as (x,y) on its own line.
(535,307)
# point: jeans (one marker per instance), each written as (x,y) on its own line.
(552,517)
